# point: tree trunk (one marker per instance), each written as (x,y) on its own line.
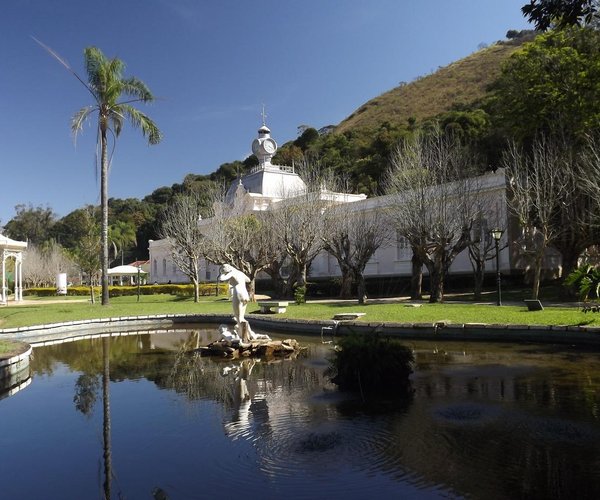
(252,289)
(478,276)
(196,290)
(346,285)
(92,298)
(569,262)
(104,209)
(537,275)
(416,279)
(362,289)
(291,282)
(302,275)
(436,279)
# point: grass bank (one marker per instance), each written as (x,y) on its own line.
(42,311)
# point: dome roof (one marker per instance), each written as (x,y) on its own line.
(272,181)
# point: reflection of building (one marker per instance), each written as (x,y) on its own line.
(268,184)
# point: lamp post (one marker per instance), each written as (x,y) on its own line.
(138,282)
(497,235)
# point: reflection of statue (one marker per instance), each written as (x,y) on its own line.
(239,296)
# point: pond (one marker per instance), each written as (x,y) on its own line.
(136,417)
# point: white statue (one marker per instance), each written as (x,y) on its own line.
(228,335)
(237,286)
(239,296)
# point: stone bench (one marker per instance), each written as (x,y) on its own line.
(274,306)
(348,316)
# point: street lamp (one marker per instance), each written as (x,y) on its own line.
(138,282)
(497,235)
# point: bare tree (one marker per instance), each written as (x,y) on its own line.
(180,225)
(489,215)
(237,235)
(87,254)
(539,187)
(434,205)
(244,240)
(44,262)
(298,222)
(352,235)
(588,176)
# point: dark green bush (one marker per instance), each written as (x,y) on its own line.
(372,365)
(300,295)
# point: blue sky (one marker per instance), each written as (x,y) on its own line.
(212,65)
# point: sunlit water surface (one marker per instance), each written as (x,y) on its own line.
(134,417)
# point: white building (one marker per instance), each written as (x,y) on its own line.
(267,184)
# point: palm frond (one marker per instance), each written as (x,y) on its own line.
(116,120)
(95,61)
(143,122)
(64,63)
(136,88)
(80,118)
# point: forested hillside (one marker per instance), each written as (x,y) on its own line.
(457,86)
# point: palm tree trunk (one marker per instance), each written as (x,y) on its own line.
(104,208)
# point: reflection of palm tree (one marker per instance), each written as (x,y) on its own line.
(106,415)
(86,393)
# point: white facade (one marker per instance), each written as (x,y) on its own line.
(269,184)
(11,249)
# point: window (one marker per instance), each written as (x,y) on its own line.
(164,267)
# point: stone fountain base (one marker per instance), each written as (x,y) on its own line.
(258,348)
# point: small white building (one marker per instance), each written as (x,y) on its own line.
(11,249)
(267,184)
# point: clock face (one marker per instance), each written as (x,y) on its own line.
(255,146)
(269,145)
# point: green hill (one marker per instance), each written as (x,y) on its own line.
(457,85)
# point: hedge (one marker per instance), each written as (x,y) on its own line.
(187,290)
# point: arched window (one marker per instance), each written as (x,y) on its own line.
(164,267)
(154,267)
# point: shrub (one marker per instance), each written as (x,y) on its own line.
(586,280)
(184,290)
(374,366)
(300,295)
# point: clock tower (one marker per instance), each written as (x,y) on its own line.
(264,147)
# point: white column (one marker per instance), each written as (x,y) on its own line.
(19,277)
(3,290)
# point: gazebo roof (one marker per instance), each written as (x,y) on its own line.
(7,243)
(125,271)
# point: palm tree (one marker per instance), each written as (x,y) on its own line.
(106,84)
(122,234)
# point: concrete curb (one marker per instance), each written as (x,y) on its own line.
(57,332)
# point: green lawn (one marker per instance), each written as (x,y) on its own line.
(45,311)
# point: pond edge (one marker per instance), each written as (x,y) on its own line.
(72,330)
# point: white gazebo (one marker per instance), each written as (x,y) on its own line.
(12,249)
(127,271)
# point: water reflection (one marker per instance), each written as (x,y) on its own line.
(485,421)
